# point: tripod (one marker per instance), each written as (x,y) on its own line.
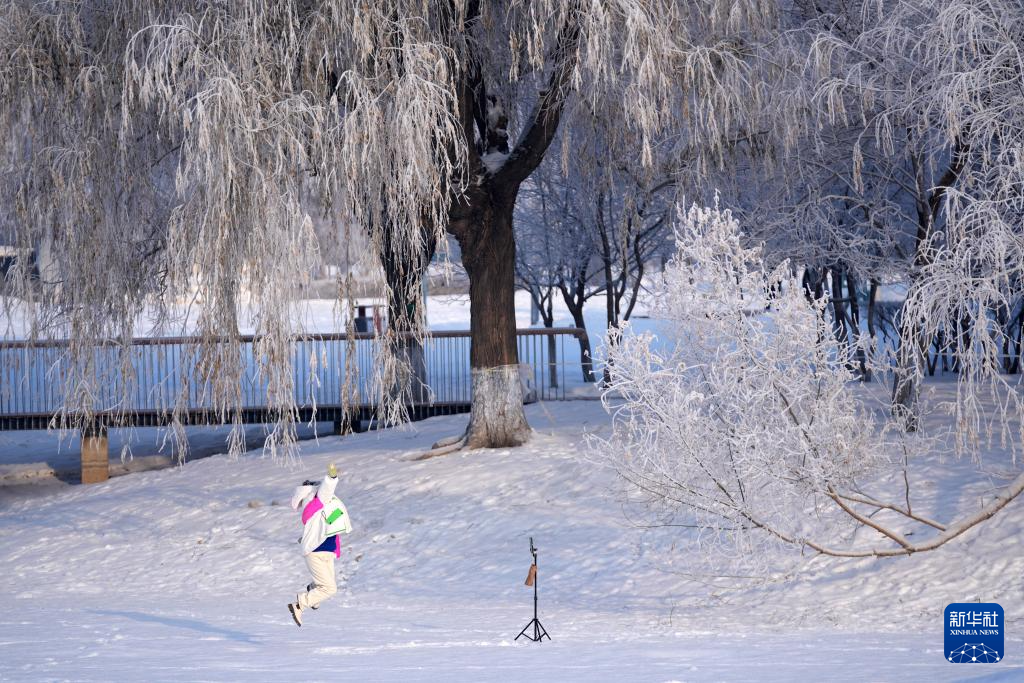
(539,632)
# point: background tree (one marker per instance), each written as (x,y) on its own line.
(555,253)
(596,222)
(551,256)
(898,139)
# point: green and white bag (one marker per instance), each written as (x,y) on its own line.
(336,519)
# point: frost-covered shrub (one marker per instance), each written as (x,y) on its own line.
(745,413)
(742,418)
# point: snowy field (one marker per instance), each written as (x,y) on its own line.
(184,574)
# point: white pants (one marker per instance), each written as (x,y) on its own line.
(321,568)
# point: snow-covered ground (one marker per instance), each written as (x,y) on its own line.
(184,573)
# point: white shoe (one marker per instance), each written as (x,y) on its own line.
(296,611)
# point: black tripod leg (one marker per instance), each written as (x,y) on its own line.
(538,631)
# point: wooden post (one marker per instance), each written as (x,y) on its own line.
(95,454)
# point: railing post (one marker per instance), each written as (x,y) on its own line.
(95,453)
(553,360)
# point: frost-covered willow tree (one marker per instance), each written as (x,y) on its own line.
(910,137)
(841,205)
(175,148)
(742,419)
(170,150)
(943,78)
(532,67)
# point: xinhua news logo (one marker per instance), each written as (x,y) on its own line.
(974,632)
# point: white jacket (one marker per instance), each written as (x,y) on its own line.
(316,527)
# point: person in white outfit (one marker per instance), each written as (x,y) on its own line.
(324,519)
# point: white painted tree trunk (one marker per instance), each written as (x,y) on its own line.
(497,416)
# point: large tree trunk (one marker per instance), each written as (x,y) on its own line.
(481,219)
(861,353)
(412,377)
(611,294)
(488,255)
(872,336)
(910,363)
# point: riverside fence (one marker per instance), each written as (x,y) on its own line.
(34,377)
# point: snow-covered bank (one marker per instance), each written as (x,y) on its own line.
(185,573)
(33,458)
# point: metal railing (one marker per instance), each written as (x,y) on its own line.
(34,376)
